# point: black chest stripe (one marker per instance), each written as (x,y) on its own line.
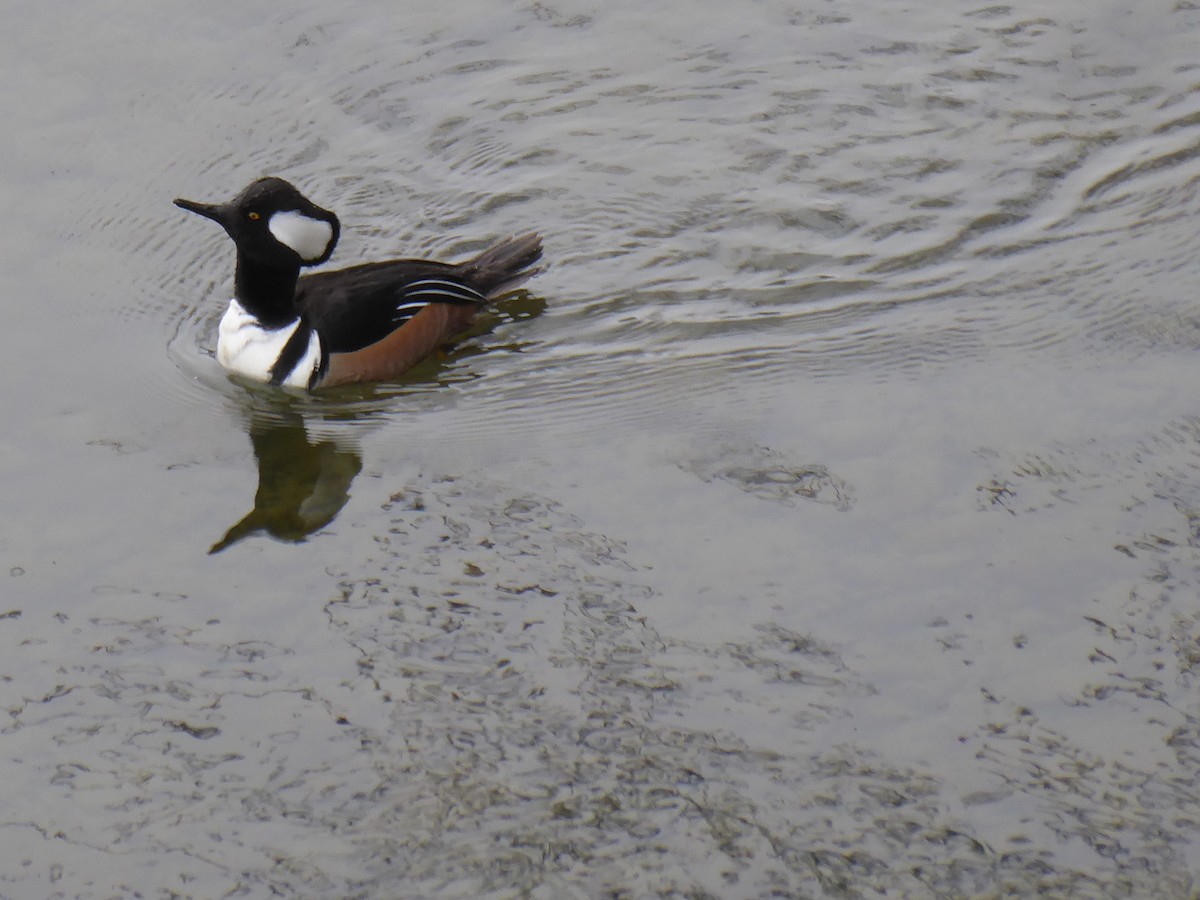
(291,354)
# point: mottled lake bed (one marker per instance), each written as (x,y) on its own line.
(822,522)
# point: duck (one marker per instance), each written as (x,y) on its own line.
(367,323)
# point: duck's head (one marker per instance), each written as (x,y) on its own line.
(274,224)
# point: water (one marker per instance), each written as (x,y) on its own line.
(822,523)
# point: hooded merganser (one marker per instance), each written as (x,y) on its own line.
(369,322)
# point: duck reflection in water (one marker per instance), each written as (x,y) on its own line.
(302,483)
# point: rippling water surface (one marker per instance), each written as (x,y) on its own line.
(823,522)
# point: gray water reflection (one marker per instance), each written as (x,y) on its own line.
(831,534)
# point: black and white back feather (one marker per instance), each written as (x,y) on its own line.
(416,295)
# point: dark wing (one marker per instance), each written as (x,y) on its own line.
(356,307)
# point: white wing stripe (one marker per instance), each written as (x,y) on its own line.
(437,287)
(413,301)
(406,311)
(472,297)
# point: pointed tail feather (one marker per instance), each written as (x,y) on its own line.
(505,265)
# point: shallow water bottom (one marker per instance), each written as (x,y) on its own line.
(823,523)
(519,685)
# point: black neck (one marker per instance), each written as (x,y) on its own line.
(266,292)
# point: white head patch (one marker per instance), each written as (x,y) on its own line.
(308,237)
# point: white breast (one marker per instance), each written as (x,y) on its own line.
(246,347)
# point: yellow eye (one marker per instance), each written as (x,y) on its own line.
(253,216)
